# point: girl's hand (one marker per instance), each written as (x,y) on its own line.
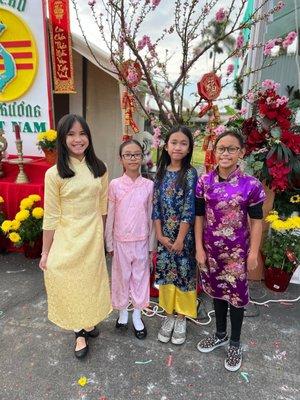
(201,258)
(166,242)
(252,261)
(43,262)
(177,246)
(110,253)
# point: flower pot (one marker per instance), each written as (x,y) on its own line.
(50,156)
(276,279)
(33,250)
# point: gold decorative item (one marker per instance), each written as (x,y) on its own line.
(22,177)
(3,147)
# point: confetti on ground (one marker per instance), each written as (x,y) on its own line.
(253,343)
(82,381)
(169,360)
(103,398)
(143,362)
(1,314)
(16,272)
(245,376)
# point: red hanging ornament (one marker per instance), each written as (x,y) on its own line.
(209,88)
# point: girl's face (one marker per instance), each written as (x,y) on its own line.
(178,146)
(228,151)
(77,141)
(132,157)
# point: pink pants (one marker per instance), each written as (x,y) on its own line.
(131,274)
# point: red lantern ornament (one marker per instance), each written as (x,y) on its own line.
(209,88)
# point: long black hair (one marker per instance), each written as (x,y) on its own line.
(165,159)
(96,166)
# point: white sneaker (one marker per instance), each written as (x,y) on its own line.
(165,332)
(179,333)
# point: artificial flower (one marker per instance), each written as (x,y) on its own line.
(15,225)
(295,198)
(22,215)
(82,381)
(6,226)
(34,197)
(51,135)
(26,203)
(14,237)
(38,212)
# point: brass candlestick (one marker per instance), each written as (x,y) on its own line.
(22,177)
(3,147)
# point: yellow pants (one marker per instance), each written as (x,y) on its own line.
(173,299)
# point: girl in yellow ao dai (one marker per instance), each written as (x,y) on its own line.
(73,256)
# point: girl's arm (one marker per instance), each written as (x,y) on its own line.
(188,212)
(109,228)
(47,242)
(52,213)
(110,220)
(255,240)
(200,252)
(165,241)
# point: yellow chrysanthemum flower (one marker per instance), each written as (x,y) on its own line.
(26,203)
(38,212)
(278,225)
(294,222)
(14,237)
(41,136)
(6,226)
(15,225)
(271,217)
(82,381)
(1,199)
(22,215)
(34,197)
(51,135)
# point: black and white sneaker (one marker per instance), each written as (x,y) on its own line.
(234,357)
(211,343)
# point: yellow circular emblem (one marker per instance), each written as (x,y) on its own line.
(18,56)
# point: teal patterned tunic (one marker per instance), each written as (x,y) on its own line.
(172,205)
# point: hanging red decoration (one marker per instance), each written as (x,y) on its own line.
(131,73)
(209,88)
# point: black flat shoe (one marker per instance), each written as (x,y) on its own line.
(121,326)
(82,352)
(94,333)
(140,334)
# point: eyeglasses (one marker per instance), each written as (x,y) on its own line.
(230,149)
(130,156)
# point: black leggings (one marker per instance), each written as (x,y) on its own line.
(236,319)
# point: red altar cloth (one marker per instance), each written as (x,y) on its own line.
(13,193)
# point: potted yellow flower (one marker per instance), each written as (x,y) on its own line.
(281,249)
(47,143)
(26,228)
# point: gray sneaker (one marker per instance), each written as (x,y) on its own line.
(210,343)
(179,333)
(165,332)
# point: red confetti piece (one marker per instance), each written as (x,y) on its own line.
(169,360)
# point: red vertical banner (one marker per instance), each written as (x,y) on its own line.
(61,46)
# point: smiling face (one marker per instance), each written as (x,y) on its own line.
(178,146)
(77,141)
(131,157)
(228,151)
